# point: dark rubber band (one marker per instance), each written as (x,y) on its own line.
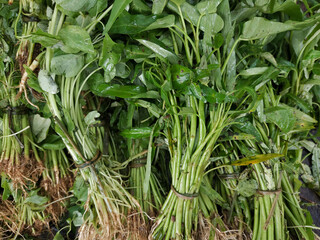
(26,18)
(138,163)
(185,196)
(20,110)
(229,175)
(269,192)
(96,158)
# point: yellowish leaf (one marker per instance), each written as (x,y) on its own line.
(255,159)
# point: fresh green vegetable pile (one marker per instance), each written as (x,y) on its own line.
(156,119)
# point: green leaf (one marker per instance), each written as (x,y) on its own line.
(181,76)
(122,70)
(253,71)
(246,126)
(53,142)
(172,58)
(255,159)
(45,39)
(140,6)
(312,55)
(260,27)
(80,189)
(136,133)
(309,222)
(76,38)
(218,41)
(289,7)
(76,5)
(189,12)
(117,9)
(206,189)
(110,56)
(158,6)
(152,108)
(98,7)
(282,117)
(58,236)
(77,219)
(163,22)
(247,187)
(303,105)
(90,119)
(99,87)
(299,115)
(47,83)
(316,69)
(40,127)
(136,52)
(186,111)
(213,96)
(133,24)
(36,199)
(208,6)
(32,79)
(211,23)
(5,184)
(196,91)
(178,2)
(68,64)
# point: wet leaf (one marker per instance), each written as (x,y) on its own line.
(133,24)
(208,6)
(181,76)
(76,38)
(76,5)
(260,27)
(40,127)
(158,6)
(110,56)
(99,87)
(47,83)
(117,9)
(282,117)
(246,126)
(172,58)
(68,64)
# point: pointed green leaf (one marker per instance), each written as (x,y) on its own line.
(117,9)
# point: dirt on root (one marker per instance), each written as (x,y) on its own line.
(57,192)
(10,223)
(27,170)
(206,230)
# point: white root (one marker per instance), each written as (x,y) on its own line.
(22,85)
